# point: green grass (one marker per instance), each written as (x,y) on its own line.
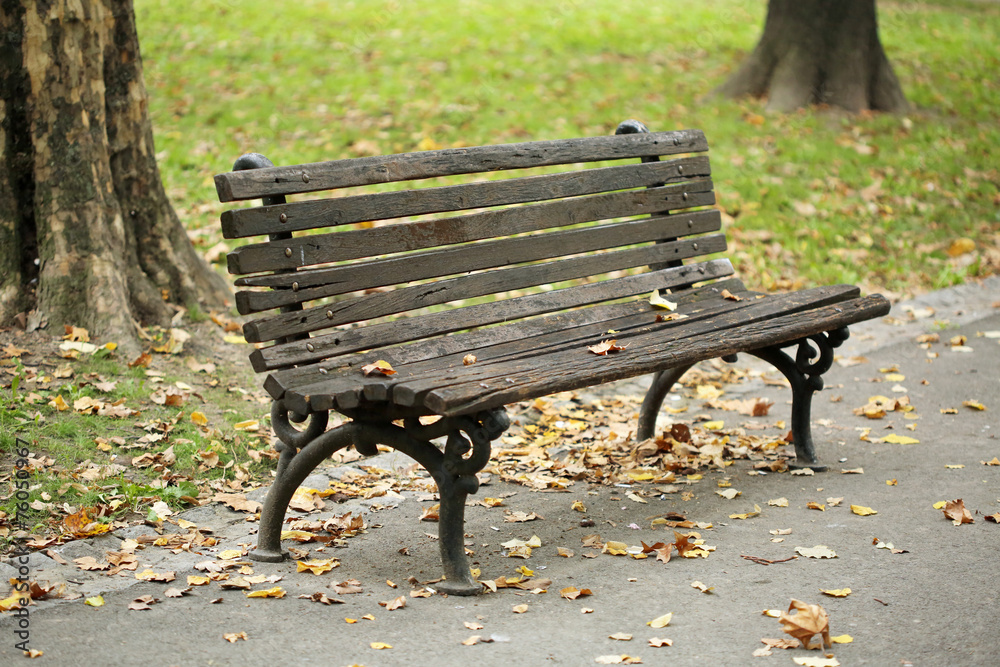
(315,81)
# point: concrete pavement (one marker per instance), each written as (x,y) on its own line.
(936,604)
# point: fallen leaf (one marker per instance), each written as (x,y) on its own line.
(605,346)
(378,646)
(316,566)
(808,620)
(565,553)
(816,662)
(657,642)
(657,301)
(473,626)
(617,660)
(726,294)
(896,439)
(468,359)
(477,639)
(96,601)
(394,604)
(572,592)
(276,592)
(660,621)
(233,637)
(519,608)
(842,639)
(621,636)
(861,510)
(748,515)
(142,603)
(816,506)
(956,512)
(778,502)
(702,587)
(975,405)
(818,551)
(836,592)
(380,367)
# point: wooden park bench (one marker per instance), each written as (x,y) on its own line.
(489,291)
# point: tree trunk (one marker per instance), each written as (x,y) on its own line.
(88,235)
(819,52)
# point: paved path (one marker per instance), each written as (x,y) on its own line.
(937,604)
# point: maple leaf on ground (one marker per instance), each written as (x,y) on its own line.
(956,512)
(142,603)
(431,513)
(808,620)
(396,603)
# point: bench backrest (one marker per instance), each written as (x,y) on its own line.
(341,271)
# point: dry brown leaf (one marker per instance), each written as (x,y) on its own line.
(808,620)
(606,346)
(233,637)
(394,604)
(956,512)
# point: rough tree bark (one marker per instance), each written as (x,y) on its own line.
(818,51)
(87,234)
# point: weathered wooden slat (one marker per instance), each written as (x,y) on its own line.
(342,377)
(238,223)
(528,357)
(650,355)
(313,177)
(485,255)
(352,244)
(433,324)
(479,284)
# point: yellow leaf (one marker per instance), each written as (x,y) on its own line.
(378,646)
(519,608)
(961,246)
(773,613)
(895,439)
(297,535)
(714,425)
(861,510)
(233,637)
(778,502)
(975,405)
(276,592)
(248,425)
(842,639)
(526,571)
(97,601)
(836,592)
(578,506)
(316,566)
(235,340)
(369,617)
(199,418)
(657,301)
(955,466)
(195,580)
(660,621)
(615,548)
(59,403)
(230,554)
(940,504)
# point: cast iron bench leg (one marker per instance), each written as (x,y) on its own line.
(454,470)
(805,375)
(663,381)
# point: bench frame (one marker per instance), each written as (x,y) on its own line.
(468,436)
